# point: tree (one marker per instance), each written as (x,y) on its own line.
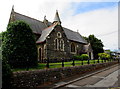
(96,45)
(19,47)
(6,75)
(6,70)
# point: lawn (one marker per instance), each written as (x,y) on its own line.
(59,65)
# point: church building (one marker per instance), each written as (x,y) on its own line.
(53,40)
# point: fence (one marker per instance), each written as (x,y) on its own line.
(73,62)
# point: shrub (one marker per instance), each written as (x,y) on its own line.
(84,57)
(76,57)
(103,55)
(19,47)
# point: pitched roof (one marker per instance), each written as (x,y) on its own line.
(36,25)
(74,36)
(45,33)
(39,27)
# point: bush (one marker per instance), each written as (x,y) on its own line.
(81,57)
(19,47)
(76,57)
(103,55)
(84,57)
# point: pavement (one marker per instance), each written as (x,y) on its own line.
(96,80)
(105,79)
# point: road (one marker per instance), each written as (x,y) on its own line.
(107,78)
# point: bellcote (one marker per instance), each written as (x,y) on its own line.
(57,18)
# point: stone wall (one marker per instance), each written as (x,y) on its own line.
(38,77)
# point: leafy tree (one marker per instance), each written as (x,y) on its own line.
(96,45)
(6,75)
(2,36)
(19,47)
(6,70)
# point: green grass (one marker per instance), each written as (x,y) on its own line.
(59,65)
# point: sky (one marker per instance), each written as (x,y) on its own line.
(98,17)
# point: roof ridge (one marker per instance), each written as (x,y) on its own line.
(29,17)
(50,26)
(69,29)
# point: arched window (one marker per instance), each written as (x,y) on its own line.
(62,45)
(73,48)
(40,54)
(45,50)
(56,44)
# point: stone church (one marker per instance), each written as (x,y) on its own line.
(53,40)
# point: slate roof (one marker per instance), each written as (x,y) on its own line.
(45,33)
(39,27)
(36,25)
(74,36)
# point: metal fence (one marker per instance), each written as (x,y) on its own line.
(73,62)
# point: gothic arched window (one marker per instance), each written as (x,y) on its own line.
(45,50)
(56,44)
(73,48)
(62,45)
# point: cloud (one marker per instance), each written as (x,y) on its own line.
(96,22)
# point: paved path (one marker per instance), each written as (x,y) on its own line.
(108,78)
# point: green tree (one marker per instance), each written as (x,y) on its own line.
(6,75)
(6,70)
(96,45)
(19,47)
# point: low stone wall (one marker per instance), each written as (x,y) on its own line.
(38,77)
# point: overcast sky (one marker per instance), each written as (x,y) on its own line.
(98,17)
